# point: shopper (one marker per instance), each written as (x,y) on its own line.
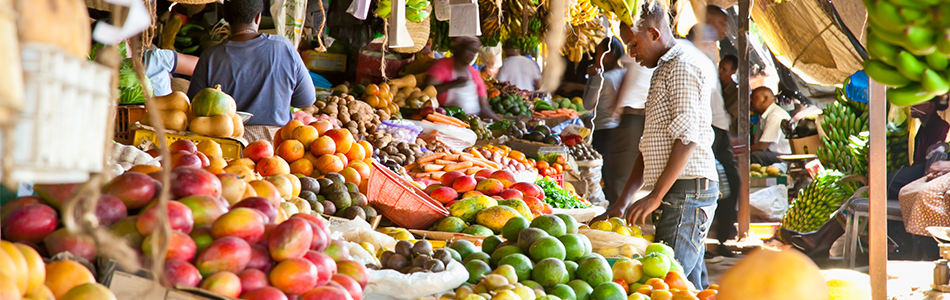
(519,70)
(160,64)
(929,147)
(730,89)
(771,139)
(722,146)
(263,73)
(625,141)
(601,92)
(457,82)
(676,161)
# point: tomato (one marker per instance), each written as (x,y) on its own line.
(623,283)
(677,280)
(707,295)
(543,164)
(558,168)
(656,265)
(560,159)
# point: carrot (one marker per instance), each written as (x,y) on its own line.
(458,166)
(453,151)
(428,122)
(432,167)
(410,166)
(484,163)
(437,175)
(429,158)
(421,175)
(452,157)
(440,118)
(472,170)
(444,162)
(476,154)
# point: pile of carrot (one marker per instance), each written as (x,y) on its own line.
(438,118)
(559,113)
(434,165)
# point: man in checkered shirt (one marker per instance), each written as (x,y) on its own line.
(676,158)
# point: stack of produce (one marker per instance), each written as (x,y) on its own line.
(550,164)
(442,119)
(415,98)
(625,10)
(539,133)
(490,13)
(576,104)
(435,165)
(356,116)
(757,170)
(818,201)
(619,226)
(480,128)
(486,204)
(439,33)
(335,195)
(556,113)
(230,237)
(897,138)
(215,114)
(380,97)
(509,105)
(582,38)
(399,152)
(512,160)
(23,273)
(582,151)
(415,10)
(419,257)
(909,49)
(843,119)
(318,149)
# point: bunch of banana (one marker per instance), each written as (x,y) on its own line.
(415,9)
(439,34)
(897,151)
(908,43)
(582,39)
(843,119)
(626,10)
(818,201)
(491,22)
(580,12)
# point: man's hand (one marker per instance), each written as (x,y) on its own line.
(611,212)
(640,210)
(938,169)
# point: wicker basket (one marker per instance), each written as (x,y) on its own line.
(420,34)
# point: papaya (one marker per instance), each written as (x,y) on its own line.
(495,217)
(519,206)
(466,209)
(212,101)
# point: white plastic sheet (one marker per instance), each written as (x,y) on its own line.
(770,203)
(392,285)
(358,231)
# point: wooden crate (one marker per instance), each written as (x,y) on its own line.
(125,117)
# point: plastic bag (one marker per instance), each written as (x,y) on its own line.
(770,203)
(455,138)
(392,285)
(582,215)
(360,255)
(400,130)
(612,244)
(358,231)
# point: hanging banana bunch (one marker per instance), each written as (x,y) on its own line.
(415,9)
(523,22)
(908,43)
(626,10)
(581,11)
(582,39)
(491,22)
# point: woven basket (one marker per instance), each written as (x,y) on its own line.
(420,34)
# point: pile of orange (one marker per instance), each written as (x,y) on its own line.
(319,148)
(380,97)
(554,167)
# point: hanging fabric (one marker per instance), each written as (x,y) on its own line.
(289,17)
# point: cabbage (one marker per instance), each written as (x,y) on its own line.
(130,90)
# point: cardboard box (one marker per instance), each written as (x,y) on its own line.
(768,181)
(327,62)
(130,286)
(805,145)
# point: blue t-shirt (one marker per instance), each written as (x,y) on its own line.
(265,76)
(159,65)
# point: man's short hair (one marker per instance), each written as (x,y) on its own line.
(653,14)
(733,59)
(762,88)
(242,11)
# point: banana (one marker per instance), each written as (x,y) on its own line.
(887,15)
(881,72)
(934,83)
(909,95)
(943,42)
(920,39)
(914,16)
(937,61)
(918,4)
(909,66)
(880,49)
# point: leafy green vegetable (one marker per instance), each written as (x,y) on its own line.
(558,197)
(499,125)
(454,111)
(130,90)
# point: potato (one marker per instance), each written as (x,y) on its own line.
(218,125)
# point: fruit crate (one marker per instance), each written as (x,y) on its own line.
(231,148)
(125,117)
(60,134)
(400,201)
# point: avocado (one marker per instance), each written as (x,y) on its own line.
(356,198)
(316,206)
(308,195)
(324,183)
(552,140)
(544,130)
(309,184)
(334,188)
(336,177)
(328,207)
(370,211)
(534,137)
(352,188)
(353,212)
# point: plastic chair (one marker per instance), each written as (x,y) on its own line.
(858,208)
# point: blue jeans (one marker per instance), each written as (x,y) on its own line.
(687,213)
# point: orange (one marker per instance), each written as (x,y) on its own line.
(322,126)
(277,136)
(272,166)
(290,150)
(305,134)
(372,100)
(328,163)
(323,145)
(346,161)
(366,147)
(351,175)
(360,167)
(302,166)
(384,89)
(371,89)
(342,138)
(287,131)
(356,152)
(64,275)
(214,170)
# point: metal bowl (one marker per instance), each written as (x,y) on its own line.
(245,116)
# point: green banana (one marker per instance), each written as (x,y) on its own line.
(914,16)
(911,3)
(909,95)
(887,15)
(937,61)
(909,66)
(881,50)
(881,72)
(890,37)
(943,41)
(934,83)
(920,39)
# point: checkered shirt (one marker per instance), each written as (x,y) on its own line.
(678,108)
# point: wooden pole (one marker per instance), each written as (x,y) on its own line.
(878,192)
(743,74)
